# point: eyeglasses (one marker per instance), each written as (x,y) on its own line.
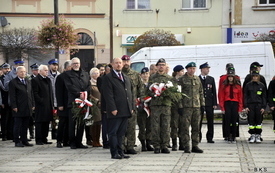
(75,63)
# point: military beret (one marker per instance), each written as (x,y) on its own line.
(229,65)
(178,68)
(255,73)
(190,64)
(53,61)
(18,61)
(144,70)
(5,65)
(125,57)
(231,71)
(256,64)
(205,65)
(161,60)
(34,66)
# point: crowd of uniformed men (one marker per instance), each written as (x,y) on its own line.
(45,99)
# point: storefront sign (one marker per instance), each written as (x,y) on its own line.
(129,39)
(249,34)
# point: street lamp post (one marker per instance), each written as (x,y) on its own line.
(56,22)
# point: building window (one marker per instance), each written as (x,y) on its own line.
(193,4)
(266,2)
(84,39)
(138,4)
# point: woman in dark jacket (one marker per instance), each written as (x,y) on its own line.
(231,104)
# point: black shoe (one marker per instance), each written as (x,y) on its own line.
(181,147)
(73,146)
(27,144)
(66,144)
(165,150)
(156,150)
(187,150)
(174,147)
(211,141)
(131,151)
(19,144)
(124,156)
(39,143)
(197,150)
(117,156)
(59,145)
(47,142)
(81,146)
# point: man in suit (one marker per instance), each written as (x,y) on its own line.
(210,96)
(22,104)
(62,110)
(119,106)
(76,81)
(43,96)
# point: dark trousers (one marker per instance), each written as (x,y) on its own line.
(20,129)
(75,131)
(255,118)
(104,123)
(230,118)
(209,111)
(41,131)
(63,130)
(31,126)
(116,131)
(7,122)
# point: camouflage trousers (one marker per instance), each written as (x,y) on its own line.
(160,126)
(130,136)
(174,122)
(191,116)
(144,125)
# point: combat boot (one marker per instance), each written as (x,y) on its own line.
(187,149)
(148,146)
(252,138)
(143,146)
(196,149)
(174,146)
(165,150)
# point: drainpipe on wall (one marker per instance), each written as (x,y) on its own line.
(229,29)
(111,30)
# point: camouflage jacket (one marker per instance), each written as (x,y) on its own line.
(136,83)
(192,87)
(159,78)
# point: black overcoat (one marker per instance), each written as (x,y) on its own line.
(117,95)
(21,97)
(43,96)
(61,94)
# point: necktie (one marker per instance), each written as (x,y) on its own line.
(23,81)
(203,77)
(119,76)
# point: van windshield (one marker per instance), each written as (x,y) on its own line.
(137,66)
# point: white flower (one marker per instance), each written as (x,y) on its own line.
(169,84)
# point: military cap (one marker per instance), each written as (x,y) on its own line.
(256,64)
(255,73)
(178,68)
(125,57)
(34,66)
(53,61)
(144,70)
(18,61)
(231,71)
(190,64)
(229,65)
(5,65)
(161,60)
(204,65)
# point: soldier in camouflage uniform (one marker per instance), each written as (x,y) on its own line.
(160,111)
(143,120)
(137,91)
(190,113)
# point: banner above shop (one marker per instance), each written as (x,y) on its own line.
(129,39)
(249,34)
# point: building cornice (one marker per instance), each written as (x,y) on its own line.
(46,15)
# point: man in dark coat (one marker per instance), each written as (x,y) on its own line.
(43,95)
(210,96)
(76,81)
(119,106)
(61,93)
(22,104)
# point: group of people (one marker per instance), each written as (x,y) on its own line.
(126,98)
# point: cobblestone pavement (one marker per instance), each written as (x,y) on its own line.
(217,157)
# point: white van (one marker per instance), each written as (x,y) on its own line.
(217,56)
